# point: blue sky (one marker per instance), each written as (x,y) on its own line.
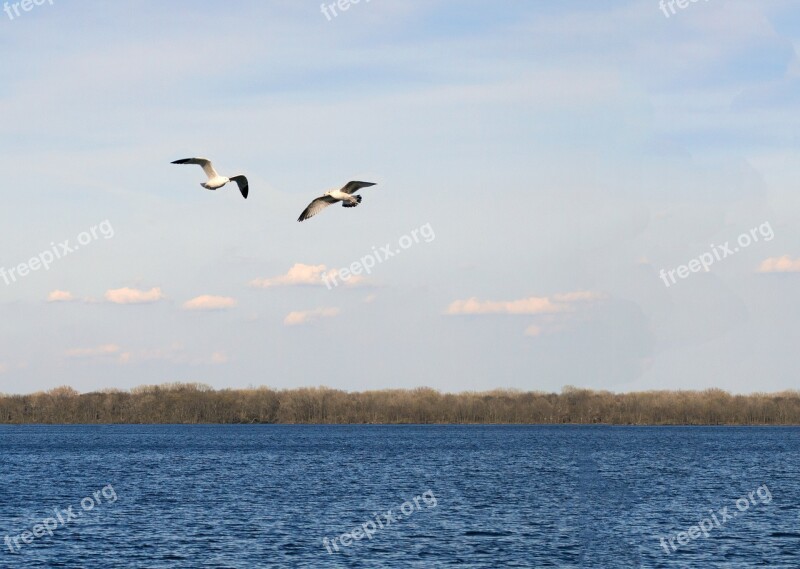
(562,154)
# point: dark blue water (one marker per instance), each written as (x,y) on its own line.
(486,496)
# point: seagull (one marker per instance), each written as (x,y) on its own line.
(215,181)
(344,195)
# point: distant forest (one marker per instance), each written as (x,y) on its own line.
(195,403)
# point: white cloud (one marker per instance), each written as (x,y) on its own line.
(306,275)
(335,278)
(783,264)
(219,358)
(60,296)
(551,312)
(579,296)
(98,351)
(208,302)
(532,305)
(174,353)
(133,296)
(298,275)
(533,330)
(304,317)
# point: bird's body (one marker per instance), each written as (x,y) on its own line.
(215,181)
(341,196)
(344,195)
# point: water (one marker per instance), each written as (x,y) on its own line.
(516,496)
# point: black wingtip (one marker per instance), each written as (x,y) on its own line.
(181,161)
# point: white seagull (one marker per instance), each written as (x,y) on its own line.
(344,195)
(215,181)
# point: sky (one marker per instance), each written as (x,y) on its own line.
(597,194)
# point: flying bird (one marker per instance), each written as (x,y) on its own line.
(344,195)
(215,181)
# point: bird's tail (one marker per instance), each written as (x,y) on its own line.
(349,204)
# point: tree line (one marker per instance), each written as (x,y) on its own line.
(196,403)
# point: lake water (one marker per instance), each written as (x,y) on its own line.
(445,496)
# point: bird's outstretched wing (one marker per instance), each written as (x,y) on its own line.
(241,181)
(316,206)
(202,162)
(353,187)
